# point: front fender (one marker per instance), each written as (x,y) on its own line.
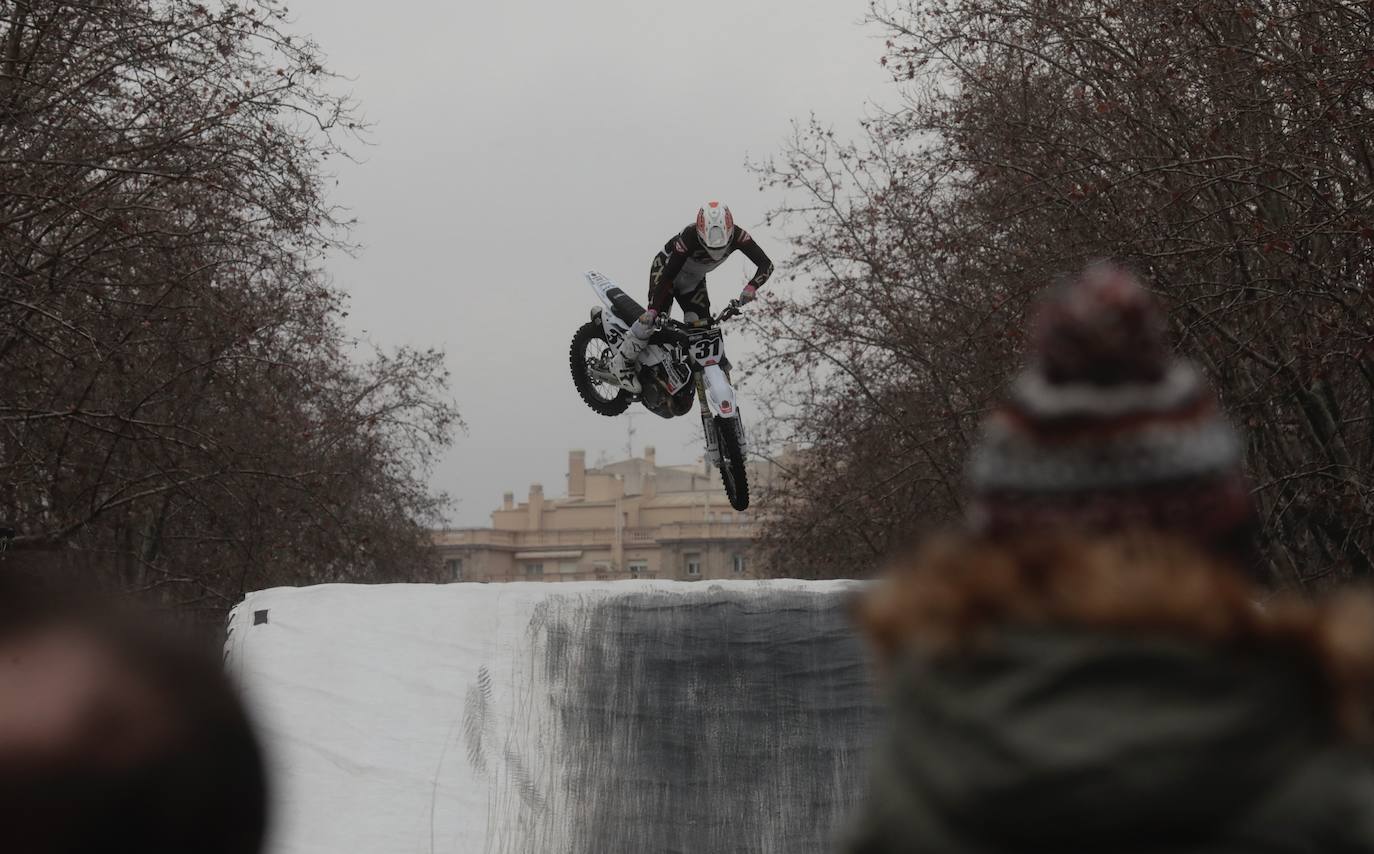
(720,395)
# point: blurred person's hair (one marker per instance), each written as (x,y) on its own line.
(190,778)
(957,590)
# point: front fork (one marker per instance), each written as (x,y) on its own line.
(708,423)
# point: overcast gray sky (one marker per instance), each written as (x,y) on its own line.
(517,144)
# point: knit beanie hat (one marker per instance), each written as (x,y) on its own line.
(1106,430)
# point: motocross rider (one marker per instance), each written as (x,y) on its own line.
(680,271)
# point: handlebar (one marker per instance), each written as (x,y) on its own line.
(734,309)
(731,310)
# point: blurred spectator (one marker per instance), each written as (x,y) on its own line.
(1085,667)
(117,735)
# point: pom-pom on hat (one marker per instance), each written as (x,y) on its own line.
(1107,430)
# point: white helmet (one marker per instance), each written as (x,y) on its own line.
(716,228)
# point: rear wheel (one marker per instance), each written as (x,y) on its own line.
(732,470)
(590,350)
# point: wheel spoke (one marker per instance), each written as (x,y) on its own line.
(589,358)
(597,356)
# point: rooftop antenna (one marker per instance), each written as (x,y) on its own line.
(630,435)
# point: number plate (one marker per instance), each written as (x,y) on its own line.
(706,345)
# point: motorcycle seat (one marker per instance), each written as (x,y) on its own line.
(624,306)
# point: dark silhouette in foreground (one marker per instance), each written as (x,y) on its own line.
(117,734)
(1086,665)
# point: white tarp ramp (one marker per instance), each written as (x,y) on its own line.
(591,718)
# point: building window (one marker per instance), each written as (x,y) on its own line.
(534,570)
(694,566)
(454,567)
(638,568)
(741,564)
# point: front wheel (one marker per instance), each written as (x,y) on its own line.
(732,470)
(590,350)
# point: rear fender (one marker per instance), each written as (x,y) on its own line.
(602,287)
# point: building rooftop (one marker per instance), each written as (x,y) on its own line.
(626,519)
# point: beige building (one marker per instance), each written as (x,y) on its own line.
(630,519)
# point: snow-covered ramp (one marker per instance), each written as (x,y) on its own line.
(586,717)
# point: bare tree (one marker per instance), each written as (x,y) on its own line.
(181,410)
(1220,147)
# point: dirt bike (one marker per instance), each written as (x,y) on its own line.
(680,362)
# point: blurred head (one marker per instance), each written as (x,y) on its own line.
(113,731)
(1106,430)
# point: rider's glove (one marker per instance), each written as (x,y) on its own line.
(747,295)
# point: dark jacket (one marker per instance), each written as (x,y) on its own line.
(685,263)
(1071,740)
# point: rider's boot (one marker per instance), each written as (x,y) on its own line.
(626,361)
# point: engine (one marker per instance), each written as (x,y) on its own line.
(666,386)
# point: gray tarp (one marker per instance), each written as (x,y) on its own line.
(589,717)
